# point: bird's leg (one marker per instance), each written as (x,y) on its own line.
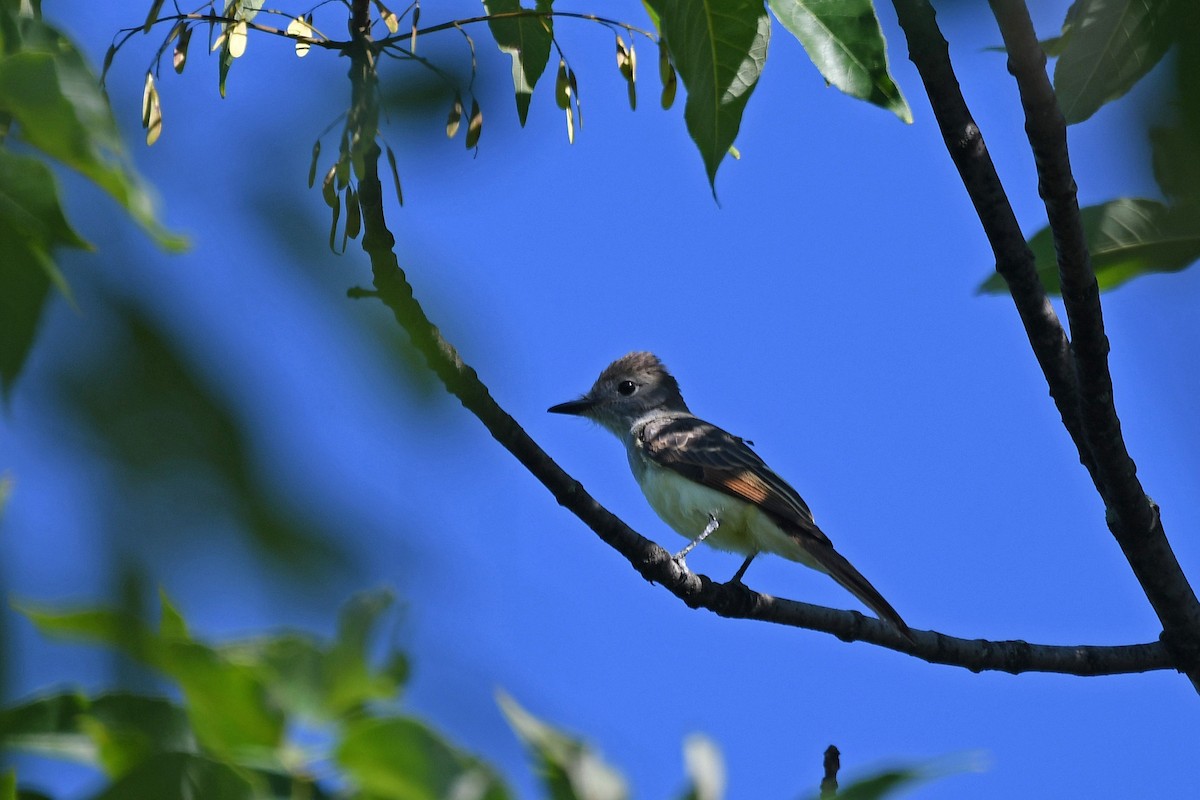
(737,576)
(712,525)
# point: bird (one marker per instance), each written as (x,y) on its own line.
(708,484)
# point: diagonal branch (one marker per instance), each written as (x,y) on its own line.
(1133,518)
(655,564)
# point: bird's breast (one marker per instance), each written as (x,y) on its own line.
(686,506)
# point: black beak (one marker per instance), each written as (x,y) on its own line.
(578,407)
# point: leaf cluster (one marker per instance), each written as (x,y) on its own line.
(52,111)
(289,715)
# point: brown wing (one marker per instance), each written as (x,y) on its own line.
(708,455)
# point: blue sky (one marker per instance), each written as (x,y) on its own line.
(826,309)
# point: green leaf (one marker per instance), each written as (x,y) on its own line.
(1109,46)
(49,726)
(845,42)
(719,48)
(180,776)
(1127,237)
(32,224)
(57,101)
(705,768)
(128,729)
(527,40)
(225,700)
(8,785)
(397,758)
(569,768)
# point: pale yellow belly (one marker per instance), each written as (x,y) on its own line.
(686,506)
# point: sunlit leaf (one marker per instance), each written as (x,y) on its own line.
(568,767)
(719,55)
(392,21)
(474,125)
(527,40)
(1127,237)
(1110,45)
(151,111)
(845,42)
(299,27)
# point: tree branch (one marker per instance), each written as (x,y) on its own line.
(1132,516)
(651,561)
(928,50)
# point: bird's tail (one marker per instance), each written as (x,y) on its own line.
(837,567)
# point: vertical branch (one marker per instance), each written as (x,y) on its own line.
(1132,516)
(928,50)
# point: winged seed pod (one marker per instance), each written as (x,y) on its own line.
(575,93)
(237,39)
(632,77)
(179,58)
(391,157)
(151,111)
(299,27)
(454,118)
(668,92)
(412,44)
(562,86)
(353,216)
(328,190)
(312,166)
(474,125)
(664,61)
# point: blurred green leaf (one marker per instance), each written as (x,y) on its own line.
(226,702)
(32,224)
(1176,168)
(1109,46)
(169,432)
(50,726)
(1127,237)
(397,758)
(331,682)
(8,785)
(845,42)
(181,776)
(129,728)
(705,769)
(527,40)
(719,50)
(52,93)
(570,770)
(883,784)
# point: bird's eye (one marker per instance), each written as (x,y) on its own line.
(626,388)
